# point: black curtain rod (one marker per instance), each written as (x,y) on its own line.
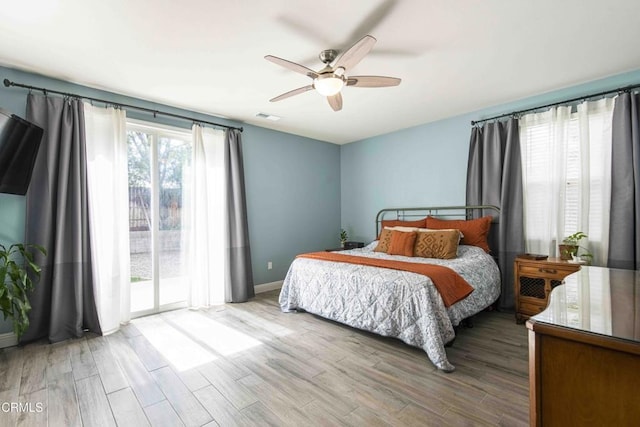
(566,101)
(9,83)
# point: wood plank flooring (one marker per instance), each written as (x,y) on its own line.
(251,365)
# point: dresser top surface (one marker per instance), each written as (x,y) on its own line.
(598,300)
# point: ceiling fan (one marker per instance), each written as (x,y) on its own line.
(330,80)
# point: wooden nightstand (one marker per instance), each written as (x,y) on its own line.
(347,246)
(534,280)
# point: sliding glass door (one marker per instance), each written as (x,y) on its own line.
(158,160)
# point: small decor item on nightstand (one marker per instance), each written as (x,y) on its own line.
(353,245)
(570,248)
(343,237)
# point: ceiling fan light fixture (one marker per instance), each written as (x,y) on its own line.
(328,85)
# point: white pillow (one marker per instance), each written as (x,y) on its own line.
(404,229)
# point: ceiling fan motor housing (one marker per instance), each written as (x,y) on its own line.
(327,56)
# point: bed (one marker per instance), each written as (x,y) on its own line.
(397,303)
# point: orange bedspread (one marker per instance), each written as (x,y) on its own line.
(451,286)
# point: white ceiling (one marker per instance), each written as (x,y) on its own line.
(453,56)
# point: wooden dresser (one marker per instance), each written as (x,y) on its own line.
(584,351)
(534,280)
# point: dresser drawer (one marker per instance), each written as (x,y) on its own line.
(547,271)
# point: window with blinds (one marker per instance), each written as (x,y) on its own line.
(572,187)
(566,174)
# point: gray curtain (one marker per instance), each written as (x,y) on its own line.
(624,232)
(62,303)
(239,280)
(494,177)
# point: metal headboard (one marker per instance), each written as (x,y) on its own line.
(446,212)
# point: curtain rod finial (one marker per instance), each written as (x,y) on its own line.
(7,83)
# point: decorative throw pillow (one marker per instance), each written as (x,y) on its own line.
(475,231)
(384,240)
(442,244)
(420,223)
(429,229)
(402,243)
(385,237)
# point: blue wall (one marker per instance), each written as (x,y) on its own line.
(292,183)
(426,165)
(300,190)
(293,198)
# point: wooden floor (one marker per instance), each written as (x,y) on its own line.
(250,364)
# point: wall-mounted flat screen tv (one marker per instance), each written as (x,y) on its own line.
(19,144)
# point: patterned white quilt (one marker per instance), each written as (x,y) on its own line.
(391,302)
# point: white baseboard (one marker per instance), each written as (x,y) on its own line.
(8,340)
(265,287)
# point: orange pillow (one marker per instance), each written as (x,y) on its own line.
(384,240)
(420,223)
(442,244)
(402,243)
(475,231)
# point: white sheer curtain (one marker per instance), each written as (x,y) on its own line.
(204,202)
(566,167)
(106,136)
(542,141)
(594,121)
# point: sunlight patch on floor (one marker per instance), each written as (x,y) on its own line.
(181,351)
(222,338)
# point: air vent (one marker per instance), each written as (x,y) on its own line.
(268,116)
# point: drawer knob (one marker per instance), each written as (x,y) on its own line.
(548,270)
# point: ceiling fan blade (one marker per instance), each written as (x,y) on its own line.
(292,66)
(311,34)
(373,81)
(291,93)
(355,53)
(335,101)
(371,22)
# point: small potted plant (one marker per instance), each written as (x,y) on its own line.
(16,265)
(343,237)
(570,248)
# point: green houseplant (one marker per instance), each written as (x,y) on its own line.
(570,247)
(16,265)
(343,237)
